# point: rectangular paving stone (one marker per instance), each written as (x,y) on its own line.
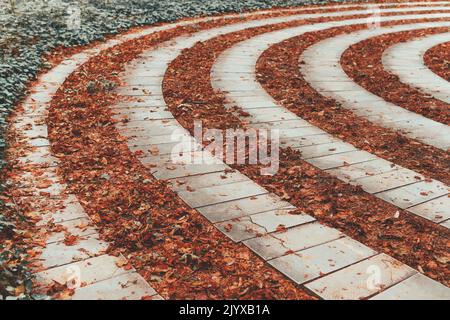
(361,280)
(267,247)
(150,128)
(299,132)
(252,105)
(169,166)
(240,229)
(55,190)
(273,219)
(206,180)
(34,109)
(221,193)
(342,159)
(90,270)
(294,239)
(151,151)
(57,254)
(145,139)
(150,102)
(269,114)
(171,171)
(136,90)
(325,149)
(40,157)
(243,207)
(436,210)
(128,286)
(141,80)
(446,224)
(142,113)
(163,153)
(35,130)
(284,124)
(248,227)
(250,99)
(416,193)
(314,262)
(299,142)
(38,142)
(41,97)
(322,85)
(81,227)
(389,180)
(363,170)
(307,235)
(417,287)
(70,210)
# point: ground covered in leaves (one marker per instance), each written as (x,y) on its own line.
(438,60)
(188,92)
(279,74)
(362,62)
(177,250)
(30,29)
(34,34)
(180,253)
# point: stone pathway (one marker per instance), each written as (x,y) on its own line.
(85,266)
(340,87)
(406,61)
(323,259)
(235,69)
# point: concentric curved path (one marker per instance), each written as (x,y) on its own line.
(239,207)
(406,61)
(389,182)
(339,86)
(321,259)
(84,266)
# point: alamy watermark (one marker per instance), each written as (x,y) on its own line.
(230,146)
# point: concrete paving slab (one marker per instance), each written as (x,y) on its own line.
(436,210)
(413,194)
(389,180)
(363,170)
(342,159)
(206,180)
(325,149)
(417,287)
(81,227)
(294,239)
(57,254)
(221,193)
(128,286)
(243,207)
(86,272)
(305,265)
(361,280)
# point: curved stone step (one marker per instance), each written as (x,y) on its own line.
(248,215)
(382,178)
(406,61)
(325,74)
